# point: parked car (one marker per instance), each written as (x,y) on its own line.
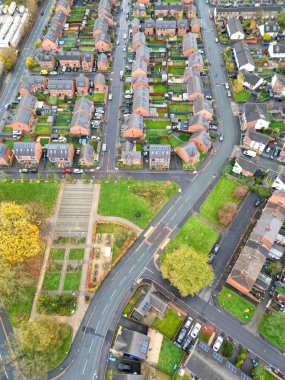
(229,93)
(227,86)
(257,202)
(216,39)
(104,147)
(181,335)
(34,170)
(77,171)
(216,248)
(221,138)
(187,343)
(212,258)
(124,367)
(209,97)
(66,171)
(195,330)
(218,343)
(53,73)
(213,127)
(128,96)
(249,153)
(23,170)
(188,322)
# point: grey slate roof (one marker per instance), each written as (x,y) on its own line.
(161,6)
(202,104)
(51,36)
(139,37)
(271,28)
(136,23)
(157,151)
(135,121)
(133,343)
(243,54)
(249,9)
(54,84)
(203,137)
(105,4)
(81,80)
(250,78)
(194,84)
(42,56)
(102,58)
(69,55)
(131,155)
(143,51)
(258,137)
(83,104)
(198,119)
(255,112)
(140,78)
(102,37)
(139,64)
(195,58)
(24,148)
(87,152)
(141,98)
(234,26)
(28,101)
(58,150)
(123,376)
(59,17)
(56,29)
(152,298)
(176,6)
(23,115)
(246,164)
(87,57)
(101,24)
(189,41)
(149,23)
(80,119)
(182,23)
(99,78)
(165,24)
(64,3)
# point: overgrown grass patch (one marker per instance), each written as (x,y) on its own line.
(57,253)
(76,253)
(19,311)
(51,281)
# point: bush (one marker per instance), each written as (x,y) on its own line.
(261,191)
(61,305)
(227,349)
(227,213)
(240,192)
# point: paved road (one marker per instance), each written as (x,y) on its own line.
(7,370)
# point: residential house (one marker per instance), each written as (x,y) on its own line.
(182,27)
(197,123)
(138,40)
(143,53)
(135,26)
(131,157)
(32,84)
(44,60)
(141,101)
(60,154)
(28,153)
(159,156)
(50,41)
(243,58)
(102,62)
(201,106)
(191,12)
(82,84)
(196,25)
(63,87)
(104,6)
(139,10)
(202,141)
(84,105)
(99,82)
(139,67)
(56,29)
(176,9)
(256,141)
(188,152)
(195,61)
(143,2)
(189,44)
(70,58)
(63,6)
(194,88)
(132,343)
(165,27)
(251,81)
(187,2)
(140,80)
(102,42)
(254,116)
(278,85)
(244,166)
(234,29)
(29,102)
(161,9)
(108,17)
(87,155)
(189,72)
(276,50)
(279,183)
(87,61)
(135,127)
(150,299)
(59,18)
(80,124)
(271,29)
(100,26)
(149,27)
(247,12)
(6,155)
(23,120)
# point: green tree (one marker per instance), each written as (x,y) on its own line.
(275,267)
(274,326)
(266,37)
(258,373)
(38,43)
(30,62)
(187,270)
(281,20)
(227,349)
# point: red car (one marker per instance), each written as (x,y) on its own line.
(67,171)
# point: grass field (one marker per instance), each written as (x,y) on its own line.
(236,305)
(38,193)
(57,253)
(156,124)
(169,324)
(179,107)
(19,312)
(242,96)
(98,97)
(137,201)
(76,254)
(196,234)
(72,280)
(51,281)
(169,357)
(277,124)
(42,129)
(263,331)
(222,192)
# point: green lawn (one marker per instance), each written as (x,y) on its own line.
(44,194)
(8,128)
(51,281)
(242,96)
(137,201)
(98,97)
(169,357)
(52,100)
(42,129)
(76,254)
(176,71)
(57,253)
(179,107)
(62,348)
(157,124)
(236,305)
(28,138)
(196,234)
(174,142)
(222,192)
(169,324)
(277,124)
(72,280)
(19,312)
(44,141)
(262,328)
(133,300)
(160,88)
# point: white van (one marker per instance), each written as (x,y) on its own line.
(249,153)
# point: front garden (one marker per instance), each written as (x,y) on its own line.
(168,324)
(169,358)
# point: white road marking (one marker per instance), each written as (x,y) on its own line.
(84,367)
(91,345)
(133,267)
(95,375)
(114,292)
(139,259)
(4,367)
(104,310)
(122,281)
(149,270)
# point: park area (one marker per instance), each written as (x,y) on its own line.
(236,305)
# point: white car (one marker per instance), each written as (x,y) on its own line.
(98,115)
(218,343)
(100,111)
(195,330)
(227,85)
(62,139)
(24,170)
(53,73)
(128,96)
(104,147)
(129,92)
(188,322)
(78,171)
(229,94)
